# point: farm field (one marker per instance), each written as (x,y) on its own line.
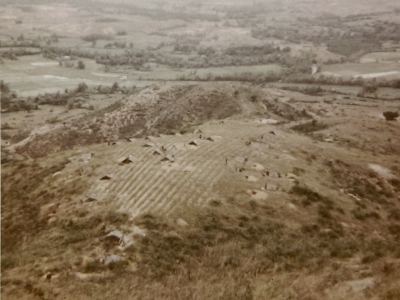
(32,75)
(387,57)
(364,70)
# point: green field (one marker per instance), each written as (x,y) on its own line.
(31,75)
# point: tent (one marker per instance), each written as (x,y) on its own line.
(126,160)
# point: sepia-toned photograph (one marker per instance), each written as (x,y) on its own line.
(200,150)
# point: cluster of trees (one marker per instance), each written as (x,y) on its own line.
(72,63)
(348,45)
(368,84)
(245,76)
(308,90)
(232,56)
(10,102)
(185,48)
(209,57)
(13,54)
(56,52)
(65,98)
(121,33)
(254,50)
(81,65)
(340,37)
(290,75)
(12,49)
(94,37)
(294,35)
(362,42)
(206,56)
(69,98)
(20,43)
(136,59)
(62,99)
(131,58)
(35,42)
(118,45)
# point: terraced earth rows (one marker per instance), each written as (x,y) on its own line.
(148,184)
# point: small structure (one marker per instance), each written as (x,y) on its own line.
(126,160)
(106,177)
(90,199)
(210,138)
(194,143)
(168,158)
(315,68)
(157,152)
(115,236)
(148,145)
